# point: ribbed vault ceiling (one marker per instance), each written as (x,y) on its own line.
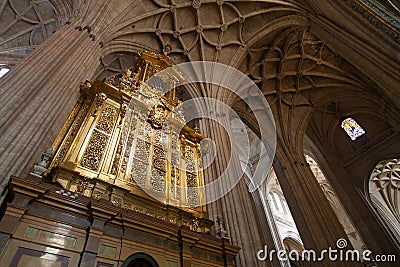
(200,30)
(24,25)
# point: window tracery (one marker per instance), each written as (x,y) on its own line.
(384,190)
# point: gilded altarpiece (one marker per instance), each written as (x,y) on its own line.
(124,138)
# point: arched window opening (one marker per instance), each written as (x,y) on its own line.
(292,244)
(352,128)
(278,202)
(336,205)
(294,249)
(282,217)
(140,260)
(384,191)
(272,201)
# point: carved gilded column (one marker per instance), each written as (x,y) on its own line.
(37,95)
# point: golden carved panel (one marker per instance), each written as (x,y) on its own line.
(157,180)
(139,171)
(76,125)
(191,179)
(159,159)
(107,119)
(142,150)
(132,141)
(94,152)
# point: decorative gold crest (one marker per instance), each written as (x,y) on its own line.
(157,116)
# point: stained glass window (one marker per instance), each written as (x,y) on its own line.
(352,128)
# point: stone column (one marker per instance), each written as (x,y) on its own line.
(236,207)
(318,225)
(353,192)
(37,95)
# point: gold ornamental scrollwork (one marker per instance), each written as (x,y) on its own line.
(94,152)
(157,116)
(121,147)
(122,112)
(82,185)
(117,158)
(107,119)
(99,102)
(130,81)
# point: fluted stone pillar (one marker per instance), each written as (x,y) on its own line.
(316,221)
(237,207)
(37,95)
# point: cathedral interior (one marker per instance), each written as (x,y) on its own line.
(102,165)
